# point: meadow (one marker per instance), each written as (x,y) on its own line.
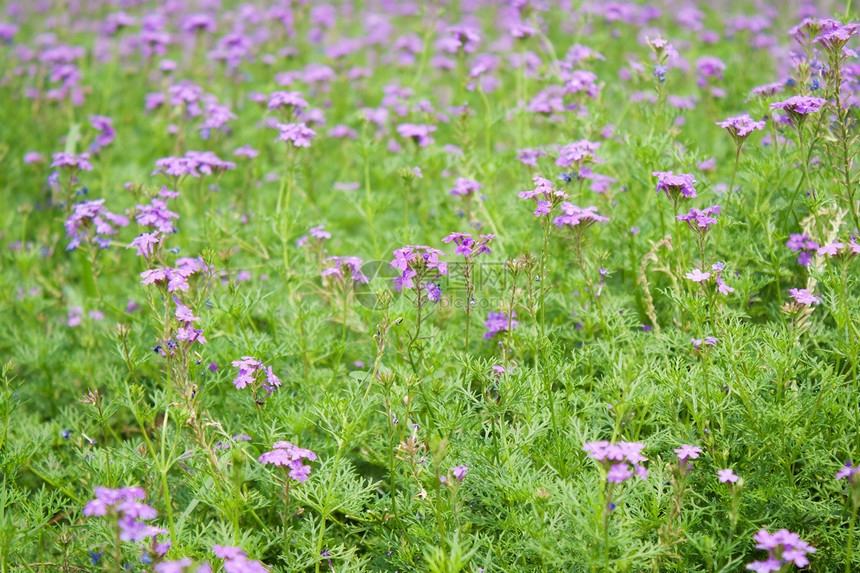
(462,285)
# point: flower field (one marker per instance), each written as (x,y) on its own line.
(429,286)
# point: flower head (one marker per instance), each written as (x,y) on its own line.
(740,127)
(783,547)
(727,476)
(798,107)
(676,186)
(292,457)
(803,296)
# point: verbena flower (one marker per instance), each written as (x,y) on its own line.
(290,456)
(344,266)
(72,161)
(499,322)
(91,219)
(676,186)
(740,127)
(419,133)
(575,216)
(467,247)
(687,452)
(803,296)
(700,221)
(299,134)
(292,101)
(614,458)
(124,504)
(530,156)
(696,275)
(727,476)
(463,186)
(800,242)
(144,244)
(798,107)
(578,154)
(783,547)
(236,560)
(848,472)
(417,260)
(250,369)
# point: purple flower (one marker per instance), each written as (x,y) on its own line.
(727,476)
(459,472)
(798,107)
(72,161)
(803,296)
(700,221)
(104,125)
(290,456)
(144,243)
(498,322)
(434,293)
(467,246)
(420,134)
(463,186)
(249,367)
(292,101)
(619,473)
(578,154)
(698,276)
(299,134)
(674,185)
(91,219)
(578,217)
(344,265)
(848,472)
(783,547)
(686,452)
(615,459)
(529,156)
(741,126)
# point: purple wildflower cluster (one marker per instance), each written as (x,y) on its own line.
(839,250)
(707,341)
(419,133)
(798,107)
(499,322)
(125,505)
(72,162)
(106,132)
(740,127)
(711,279)
(700,221)
(803,244)
(298,134)
(676,186)
(467,247)
(783,548)
(250,369)
(578,217)
(90,220)
(417,262)
(578,154)
(465,187)
(621,460)
(290,456)
(803,296)
(457,473)
(545,194)
(173,279)
(345,269)
(192,164)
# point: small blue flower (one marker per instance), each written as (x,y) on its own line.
(66,434)
(95,556)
